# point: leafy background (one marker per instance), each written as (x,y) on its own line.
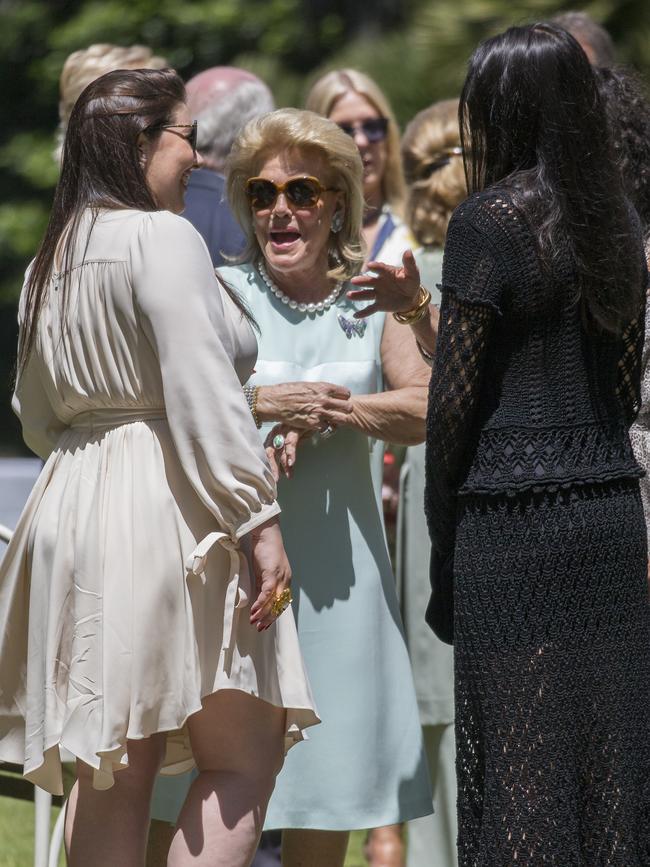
(416,49)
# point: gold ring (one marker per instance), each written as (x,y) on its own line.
(281,601)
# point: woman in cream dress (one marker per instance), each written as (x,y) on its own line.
(134,633)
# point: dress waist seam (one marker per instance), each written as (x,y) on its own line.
(111,418)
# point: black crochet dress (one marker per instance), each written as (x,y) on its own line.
(532,500)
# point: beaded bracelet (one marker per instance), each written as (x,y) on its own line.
(419,311)
(251,393)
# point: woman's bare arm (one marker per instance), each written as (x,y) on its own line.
(398,414)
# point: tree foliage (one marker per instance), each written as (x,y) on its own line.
(416,49)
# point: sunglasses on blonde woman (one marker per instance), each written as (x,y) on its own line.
(303,192)
(374,129)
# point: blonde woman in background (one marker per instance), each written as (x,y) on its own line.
(356,104)
(434,172)
(84,66)
(433,166)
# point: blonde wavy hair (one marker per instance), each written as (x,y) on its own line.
(82,67)
(330,88)
(434,171)
(292,129)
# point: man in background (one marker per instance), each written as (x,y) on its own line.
(222,99)
(594,40)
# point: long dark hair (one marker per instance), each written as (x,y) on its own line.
(628,111)
(101,168)
(532,120)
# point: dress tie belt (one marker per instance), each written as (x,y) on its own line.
(239,582)
(108,418)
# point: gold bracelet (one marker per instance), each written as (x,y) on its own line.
(419,311)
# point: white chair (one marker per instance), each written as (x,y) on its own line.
(46,850)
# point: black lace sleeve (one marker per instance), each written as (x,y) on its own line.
(453,394)
(632,356)
(628,386)
(471,288)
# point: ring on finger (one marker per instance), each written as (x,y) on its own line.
(278,442)
(281,602)
(327,431)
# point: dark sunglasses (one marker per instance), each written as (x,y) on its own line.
(374,129)
(303,192)
(444,158)
(191,137)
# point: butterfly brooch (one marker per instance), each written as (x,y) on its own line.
(352,326)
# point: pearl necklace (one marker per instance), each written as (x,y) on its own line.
(319,307)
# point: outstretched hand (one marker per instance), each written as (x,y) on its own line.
(390,289)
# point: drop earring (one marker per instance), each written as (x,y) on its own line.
(337,222)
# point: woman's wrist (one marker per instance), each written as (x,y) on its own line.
(426,332)
(418,311)
(251,393)
(266,407)
(268,528)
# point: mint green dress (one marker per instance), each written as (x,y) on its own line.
(364,766)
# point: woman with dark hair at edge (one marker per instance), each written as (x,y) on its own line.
(628,111)
(539,543)
(143,595)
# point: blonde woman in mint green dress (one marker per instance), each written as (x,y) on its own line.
(323,399)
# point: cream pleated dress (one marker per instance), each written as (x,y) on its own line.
(125,593)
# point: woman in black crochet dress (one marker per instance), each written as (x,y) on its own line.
(532,488)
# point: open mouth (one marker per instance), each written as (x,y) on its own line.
(283,239)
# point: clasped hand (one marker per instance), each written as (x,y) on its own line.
(302,409)
(306,406)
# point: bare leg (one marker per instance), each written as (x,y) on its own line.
(302,848)
(105,828)
(237,741)
(384,847)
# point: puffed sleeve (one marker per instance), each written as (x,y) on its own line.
(471,289)
(182,314)
(40,425)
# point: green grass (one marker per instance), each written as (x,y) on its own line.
(17,836)
(355,856)
(17,833)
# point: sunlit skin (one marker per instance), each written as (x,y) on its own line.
(352,108)
(169,160)
(294,241)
